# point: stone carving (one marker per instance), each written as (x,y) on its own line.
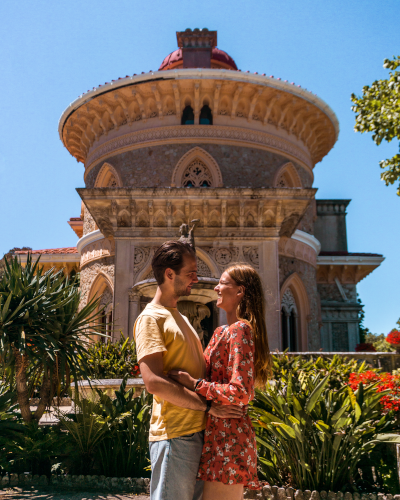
(89,224)
(140,258)
(224,256)
(97,250)
(197,174)
(165,134)
(107,300)
(149,275)
(195,313)
(90,272)
(288,302)
(251,256)
(187,235)
(203,269)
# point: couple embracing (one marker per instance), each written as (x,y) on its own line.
(202,443)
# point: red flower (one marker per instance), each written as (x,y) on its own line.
(385,381)
(365,347)
(393,337)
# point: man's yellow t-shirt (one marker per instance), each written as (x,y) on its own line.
(166,330)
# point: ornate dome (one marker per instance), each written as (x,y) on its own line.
(219,59)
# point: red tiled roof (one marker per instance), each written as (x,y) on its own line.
(216,55)
(75,218)
(348,254)
(50,251)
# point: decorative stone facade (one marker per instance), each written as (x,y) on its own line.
(239,166)
(241,160)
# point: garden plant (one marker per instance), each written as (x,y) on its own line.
(44,332)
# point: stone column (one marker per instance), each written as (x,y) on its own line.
(134,311)
(269,272)
(124,261)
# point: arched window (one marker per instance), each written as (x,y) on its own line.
(205,115)
(289,316)
(188,116)
(197,174)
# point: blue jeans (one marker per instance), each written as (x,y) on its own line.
(174,467)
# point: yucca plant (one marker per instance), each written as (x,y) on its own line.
(310,436)
(43,332)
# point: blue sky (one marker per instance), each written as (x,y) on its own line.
(51,52)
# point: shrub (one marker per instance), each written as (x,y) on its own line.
(337,367)
(383,382)
(113,360)
(109,436)
(365,347)
(310,436)
(393,338)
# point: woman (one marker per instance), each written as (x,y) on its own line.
(237,360)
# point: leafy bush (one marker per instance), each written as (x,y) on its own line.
(113,360)
(379,342)
(310,436)
(109,436)
(337,367)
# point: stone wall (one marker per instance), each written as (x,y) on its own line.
(90,271)
(307,273)
(240,166)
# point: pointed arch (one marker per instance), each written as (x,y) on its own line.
(102,288)
(301,310)
(160,219)
(108,177)
(194,154)
(287,177)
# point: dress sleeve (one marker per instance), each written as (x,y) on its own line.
(240,389)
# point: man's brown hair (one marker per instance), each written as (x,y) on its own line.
(170,256)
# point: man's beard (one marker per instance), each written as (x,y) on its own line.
(180,289)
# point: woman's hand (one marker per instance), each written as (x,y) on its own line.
(183,378)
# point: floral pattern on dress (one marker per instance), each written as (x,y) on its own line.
(230,451)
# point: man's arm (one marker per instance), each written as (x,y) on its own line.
(151,368)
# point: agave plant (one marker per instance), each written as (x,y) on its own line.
(311,436)
(43,332)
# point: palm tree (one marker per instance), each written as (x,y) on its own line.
(43,332)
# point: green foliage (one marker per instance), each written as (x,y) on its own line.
(310,436)
(112,360)
(32,449)
(337,367)
(377,470)
(378,111)
(379,342)
(110,435)
(43,331)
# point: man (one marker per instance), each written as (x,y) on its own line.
(165,340)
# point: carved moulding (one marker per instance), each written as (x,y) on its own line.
(251,256)
(97,250)
(290,247)
(204,133)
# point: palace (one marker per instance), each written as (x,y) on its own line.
(200,139)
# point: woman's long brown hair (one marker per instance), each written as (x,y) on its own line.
(251,309)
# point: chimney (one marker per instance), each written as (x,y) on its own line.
(196,47)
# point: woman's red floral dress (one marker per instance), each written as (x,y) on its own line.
(230,451)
